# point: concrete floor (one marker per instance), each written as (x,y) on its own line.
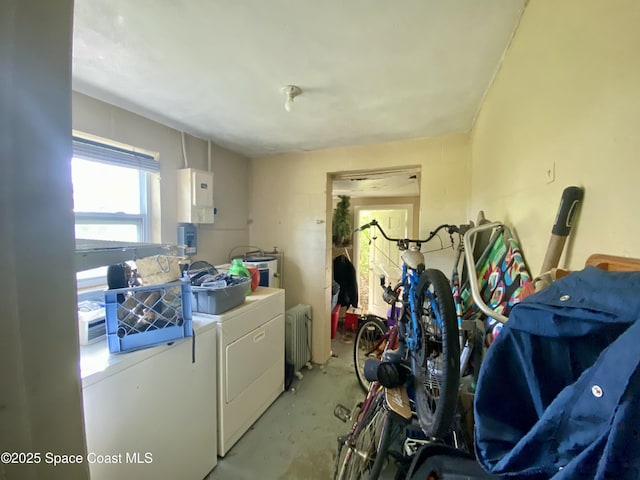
(296,438)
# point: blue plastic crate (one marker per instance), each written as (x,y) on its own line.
(141,317)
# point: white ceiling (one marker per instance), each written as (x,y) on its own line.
(371,70)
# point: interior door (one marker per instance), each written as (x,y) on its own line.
(381,256)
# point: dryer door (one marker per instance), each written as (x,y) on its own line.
(253,354)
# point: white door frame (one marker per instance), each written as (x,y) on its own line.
(382,206)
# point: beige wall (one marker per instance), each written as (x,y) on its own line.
(40,400)
(230,169)
(568,93)
(291,207)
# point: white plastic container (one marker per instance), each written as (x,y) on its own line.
(91,322)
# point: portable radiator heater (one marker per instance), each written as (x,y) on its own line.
(297,343)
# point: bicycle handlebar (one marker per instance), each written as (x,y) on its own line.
(451,229)
(468,232)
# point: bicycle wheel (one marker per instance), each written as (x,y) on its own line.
(362,454)
(436,363)
(370,342)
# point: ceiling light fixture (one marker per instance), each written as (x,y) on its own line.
(291,91)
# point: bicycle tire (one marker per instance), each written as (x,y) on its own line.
(436,364)
(362,454)
(368,335)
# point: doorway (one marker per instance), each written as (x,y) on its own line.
(390,196)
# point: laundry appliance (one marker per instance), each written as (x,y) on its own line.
(268,268)
(250,343)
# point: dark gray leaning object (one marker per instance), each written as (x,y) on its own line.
(443,462)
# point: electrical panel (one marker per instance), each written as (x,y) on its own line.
(195,196)
(188,238)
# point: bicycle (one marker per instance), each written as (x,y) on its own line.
(372,335)
(365,448)
(427,334)
(481,256)
(378,422)
(369,342)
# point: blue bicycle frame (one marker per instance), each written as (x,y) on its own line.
(410,281)
(409,330)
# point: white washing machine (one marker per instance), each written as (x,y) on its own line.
(250,375)
(268,268)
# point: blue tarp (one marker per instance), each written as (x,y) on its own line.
(559,391)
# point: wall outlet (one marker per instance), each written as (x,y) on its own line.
(550,172)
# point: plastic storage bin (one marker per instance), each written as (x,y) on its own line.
(218,300)
(92,326)
(351,319)
(141,317)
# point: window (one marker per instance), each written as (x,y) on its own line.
(110,202)
(111,193)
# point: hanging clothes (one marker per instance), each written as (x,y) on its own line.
(559,389)
(345,274)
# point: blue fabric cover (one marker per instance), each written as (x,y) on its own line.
(558,393)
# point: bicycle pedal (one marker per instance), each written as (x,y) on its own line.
(412,445)
(342,413)
(416,434)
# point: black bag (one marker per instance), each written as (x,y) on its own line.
(442,462)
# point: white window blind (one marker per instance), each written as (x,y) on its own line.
(99,152)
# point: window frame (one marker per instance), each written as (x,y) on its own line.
(142,220)
(101,150)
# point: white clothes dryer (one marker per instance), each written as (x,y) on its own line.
(250,374)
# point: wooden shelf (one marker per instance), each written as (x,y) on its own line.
(613,262)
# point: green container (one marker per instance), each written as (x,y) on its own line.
(238,268)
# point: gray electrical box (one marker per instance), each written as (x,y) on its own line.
(188,238)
